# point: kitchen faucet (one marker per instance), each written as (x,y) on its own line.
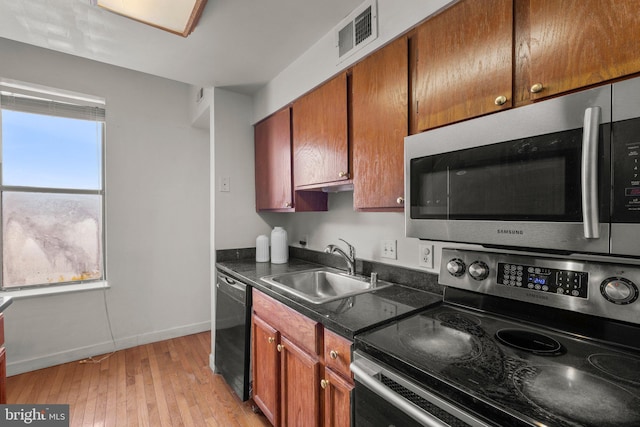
(350,259)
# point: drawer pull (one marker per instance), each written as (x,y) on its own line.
(271,340)
(324,384)
(280,347)
(333,354)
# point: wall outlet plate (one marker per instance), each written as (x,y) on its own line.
(388,249)
(425,255)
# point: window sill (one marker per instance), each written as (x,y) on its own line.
(55,290)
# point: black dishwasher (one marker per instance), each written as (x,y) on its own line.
(233,333)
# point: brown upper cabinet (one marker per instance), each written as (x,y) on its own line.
(379,99)
(273,162)
(569,44)
(320,136)
(274,190)
(462,63)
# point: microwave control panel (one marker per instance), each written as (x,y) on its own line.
(562,282)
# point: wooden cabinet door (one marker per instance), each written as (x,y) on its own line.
(463,63)
(273,162)
(569,44)
(320,140)
(300,395)
(380,96)
(266,369)
(337,400)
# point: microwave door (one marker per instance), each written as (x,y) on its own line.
(548,191)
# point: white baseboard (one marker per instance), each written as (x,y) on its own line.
(27,365)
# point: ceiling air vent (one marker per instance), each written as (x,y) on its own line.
(357,30)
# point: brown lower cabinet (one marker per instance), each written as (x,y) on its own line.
(298,368)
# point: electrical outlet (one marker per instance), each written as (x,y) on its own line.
(388,249)
(425,255)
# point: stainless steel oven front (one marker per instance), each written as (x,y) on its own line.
(560,175)
(385,397)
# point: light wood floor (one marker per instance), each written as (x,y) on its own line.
(167,383)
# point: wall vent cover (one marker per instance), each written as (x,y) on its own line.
(357,30)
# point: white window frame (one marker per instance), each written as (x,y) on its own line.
(31,98)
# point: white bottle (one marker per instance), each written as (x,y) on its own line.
(279,246)
(262,248)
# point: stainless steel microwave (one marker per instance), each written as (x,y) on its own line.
(557,175)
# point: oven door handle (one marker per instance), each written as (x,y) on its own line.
(590,134)
(395,399)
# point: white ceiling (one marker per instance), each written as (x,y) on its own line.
(239,44)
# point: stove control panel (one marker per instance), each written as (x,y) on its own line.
(562,282)
(592,287)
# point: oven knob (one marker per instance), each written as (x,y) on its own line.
(479,270)
(619,290)
(456,267)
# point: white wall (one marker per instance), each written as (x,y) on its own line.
(236,222)
(321,61)
(157,183)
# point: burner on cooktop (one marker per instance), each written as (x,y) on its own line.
(530,341)
(439,340)
(576,395)
(625,368)
(453,318)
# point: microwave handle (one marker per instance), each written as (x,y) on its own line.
(590,216)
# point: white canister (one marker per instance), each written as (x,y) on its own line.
(262,248)
(279,246)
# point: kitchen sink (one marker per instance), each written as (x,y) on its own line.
(322,285)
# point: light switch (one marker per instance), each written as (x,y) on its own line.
(225,184)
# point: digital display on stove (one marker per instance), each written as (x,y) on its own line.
(542,279)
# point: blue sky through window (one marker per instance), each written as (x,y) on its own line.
(51,152)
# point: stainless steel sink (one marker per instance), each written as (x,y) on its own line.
(322,285)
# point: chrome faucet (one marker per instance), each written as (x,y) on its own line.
(350,259)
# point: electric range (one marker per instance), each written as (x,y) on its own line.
(518,341)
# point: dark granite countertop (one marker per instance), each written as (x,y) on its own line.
(351,315)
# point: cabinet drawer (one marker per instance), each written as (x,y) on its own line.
(337,353)
(301,330)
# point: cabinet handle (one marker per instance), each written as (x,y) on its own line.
(287,205)
(536,88)
(342,174)
(271,340)
(280,347)
(324,384)
(400,200)
(333,354)
(501,100)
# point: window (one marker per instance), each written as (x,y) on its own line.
(51,186)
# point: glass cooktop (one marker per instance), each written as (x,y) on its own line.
(541,377)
